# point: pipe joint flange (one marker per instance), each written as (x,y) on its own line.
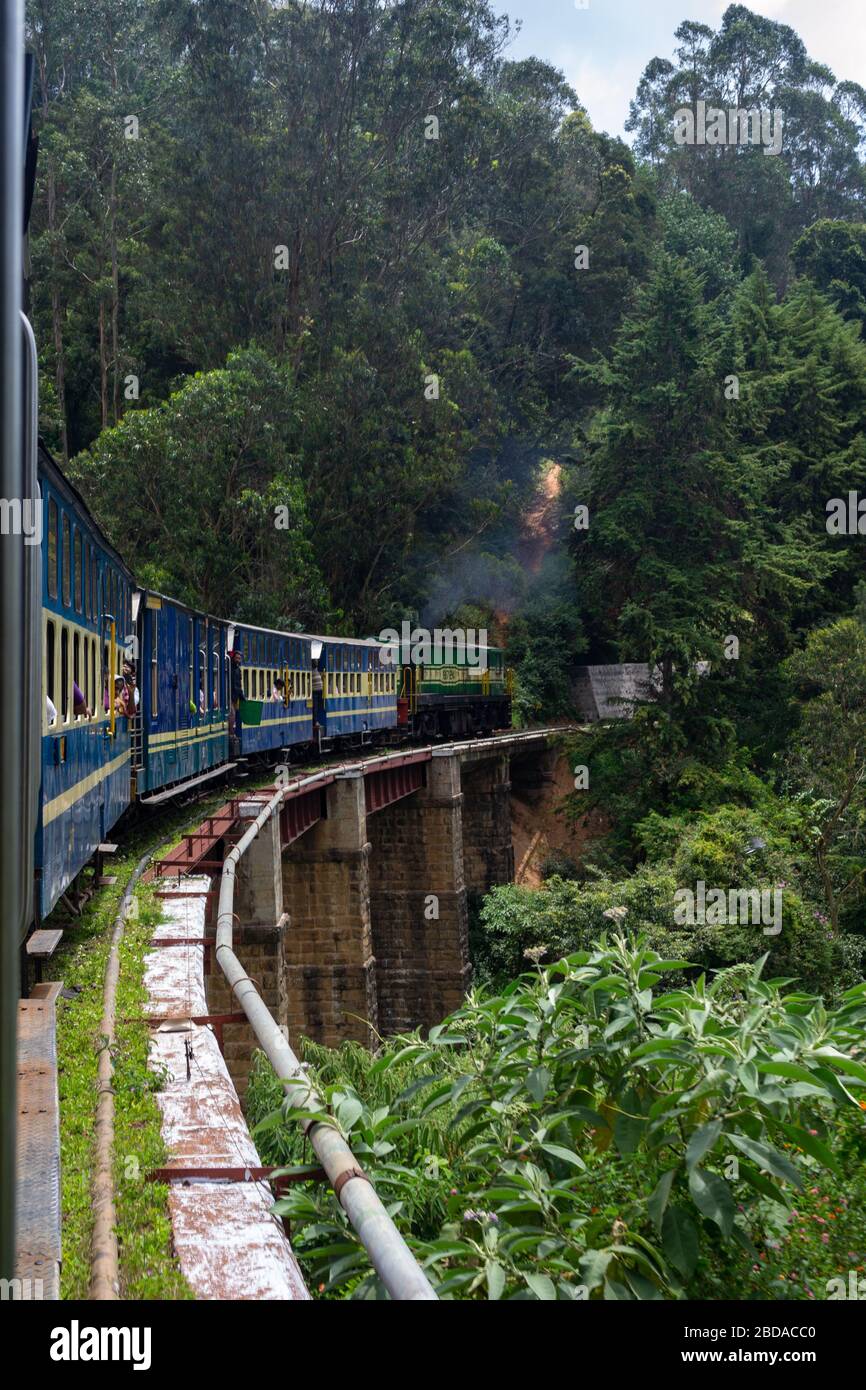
(346,1176)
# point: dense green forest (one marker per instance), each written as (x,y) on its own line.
(350,260)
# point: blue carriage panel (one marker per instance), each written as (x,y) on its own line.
(184,706)
(354,704)
(85,770)
(287,719)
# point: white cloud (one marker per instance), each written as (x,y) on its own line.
(604,88)
(833,31)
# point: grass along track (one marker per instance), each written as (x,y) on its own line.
(148,1269)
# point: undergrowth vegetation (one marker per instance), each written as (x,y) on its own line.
(597,1131)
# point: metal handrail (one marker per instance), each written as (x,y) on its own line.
(389,1254)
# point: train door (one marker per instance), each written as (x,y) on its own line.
(174,655)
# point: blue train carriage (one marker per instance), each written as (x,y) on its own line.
(86,625)
(183,676)
(277,706)
(359,688)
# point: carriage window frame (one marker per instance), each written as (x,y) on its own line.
(51,672)
(154,662)
(52,549)
(65,686)
(76,670)
(216,683)
(66,560)
(190,637)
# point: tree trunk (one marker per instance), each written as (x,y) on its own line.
(103,366)
(115,297)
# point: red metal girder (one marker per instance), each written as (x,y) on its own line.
(392,784)
(417,755)
(298,814)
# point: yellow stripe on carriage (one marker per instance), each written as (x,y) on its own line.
(54,808)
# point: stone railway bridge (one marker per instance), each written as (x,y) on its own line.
(351,903)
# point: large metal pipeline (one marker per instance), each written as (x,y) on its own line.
(389,1254)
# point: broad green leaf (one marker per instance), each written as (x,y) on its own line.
(810,1144)
(543,1287)
(567,1155)
(657,1203)
(712,1197)
(495,1279)
(537,1083)
(769,1158)
(680,1240)
(701,1142)
(593,1267)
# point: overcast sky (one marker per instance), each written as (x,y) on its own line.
(604,49)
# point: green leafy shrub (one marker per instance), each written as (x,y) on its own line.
(588,1133)
(565,916)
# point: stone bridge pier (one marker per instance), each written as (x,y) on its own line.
(488,853)
(330,962)
(418,901)
(351,904)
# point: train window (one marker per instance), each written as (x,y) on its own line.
(192,694)
(50,676)
(76,664)
(93,686)
(154,661)
(52,547)
(86,581)
(64,674)
(215,671)
(77,577)
(66,561)
(245,681)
